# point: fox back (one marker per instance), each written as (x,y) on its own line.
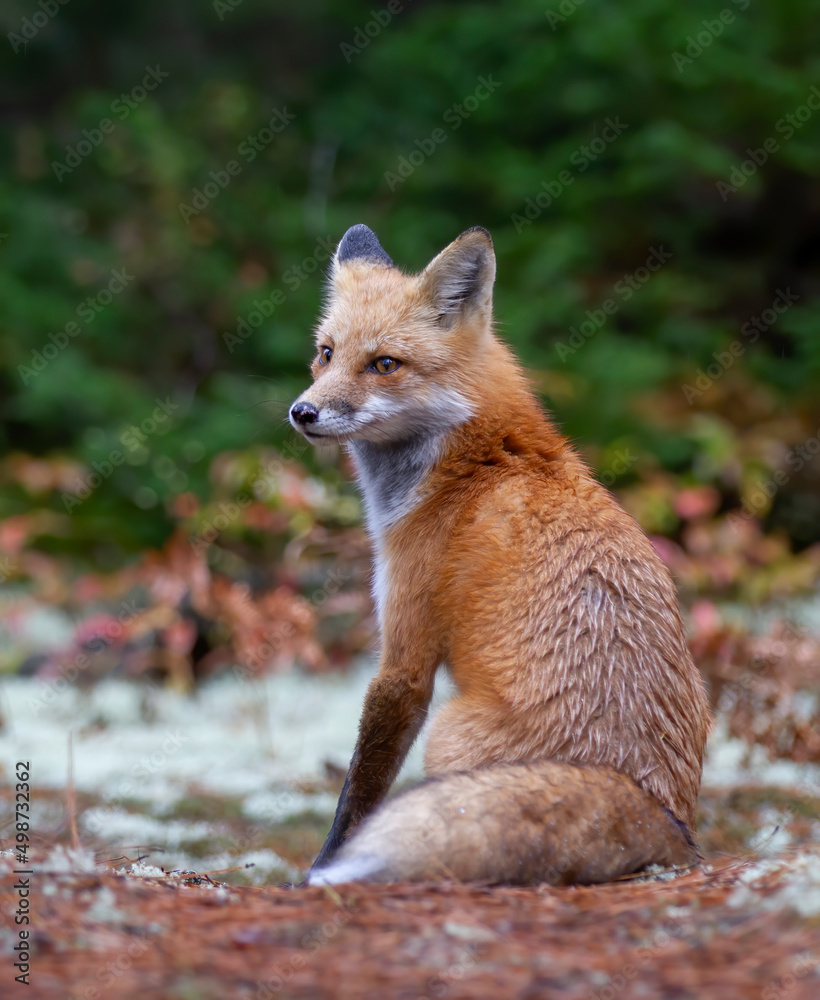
(497,554)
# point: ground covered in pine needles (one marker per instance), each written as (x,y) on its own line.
(732,928)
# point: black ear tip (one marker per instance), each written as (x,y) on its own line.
(361,243)
(478,230)
(360,232)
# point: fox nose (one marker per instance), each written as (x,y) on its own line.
(304,413)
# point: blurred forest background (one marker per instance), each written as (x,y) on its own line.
(173,176)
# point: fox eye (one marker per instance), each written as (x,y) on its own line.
(386,365)
(325,354)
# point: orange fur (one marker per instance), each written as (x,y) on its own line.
(503,559)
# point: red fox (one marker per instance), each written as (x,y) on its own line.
(572,749)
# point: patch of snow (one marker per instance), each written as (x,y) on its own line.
(66,861)
(804,705)
(264,861)
(731,762)
(232,737)
(103,910)
(41,628)
(804,612)
(468,932)
(149,747)
(126,828)
(799,888)
(772,837)
(261,865)
(148,871)
(275,807)
(254,741)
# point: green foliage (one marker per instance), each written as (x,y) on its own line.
(525,95)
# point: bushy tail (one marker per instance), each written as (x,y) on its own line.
(516,823)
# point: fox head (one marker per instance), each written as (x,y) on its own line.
(397,354)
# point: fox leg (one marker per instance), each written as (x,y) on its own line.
(394,709)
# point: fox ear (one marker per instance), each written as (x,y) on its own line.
(460,279)
(362,245)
